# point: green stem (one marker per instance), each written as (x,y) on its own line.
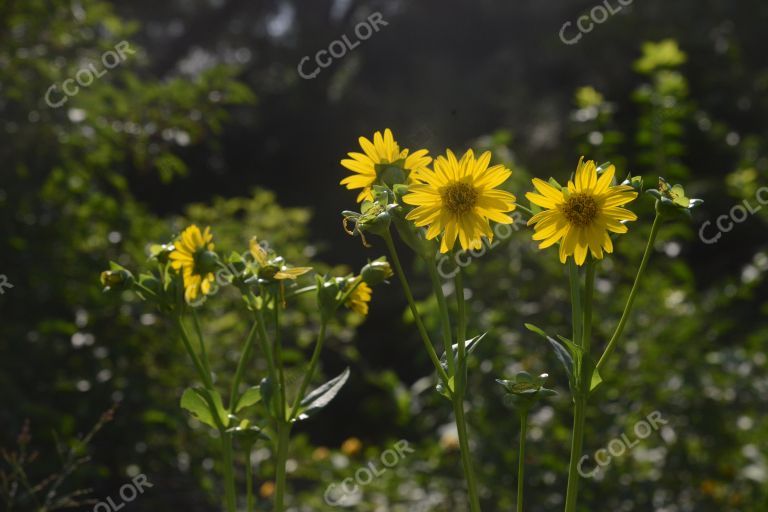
(521,459)
(263,337)
(445,319)
(582,392)
(466,459)
(310,372)
(415,311)
(278,351)
(283,436)
(577,443)
(201,341)
(245,355)
(229,474)
(632,294)
(589,290)
(461,329)
(576,309)
(250,502)
(205,376)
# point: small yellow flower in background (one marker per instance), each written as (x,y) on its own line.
(320,454)
(383,150)
(274,269)
(459,198)
(267,489)
(581,215)
(359,299)
(192,255)
(351,446)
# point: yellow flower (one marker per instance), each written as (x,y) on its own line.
(359,299)
(273,269)
(581,215)
(192,255)
(351,446)
(459,198)
(382,151)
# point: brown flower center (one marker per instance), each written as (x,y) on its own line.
(580,209)
(459,197)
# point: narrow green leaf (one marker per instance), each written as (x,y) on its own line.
(322,396)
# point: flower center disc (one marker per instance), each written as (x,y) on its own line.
(459,197)
(580,209)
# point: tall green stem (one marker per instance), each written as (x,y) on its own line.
(461,372)
(445,319)
(204,375)
(278,351)
(245,355)
(415,311)
(283,436)
(582,391)
(250,502)
(461,306)
(577,443)
(229,474)
(521,459)
(201,340)
(632,294)
(310,371)
(466,459)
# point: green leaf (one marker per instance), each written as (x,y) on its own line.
(596,380)
(251,397)
(567,352)
(200,402)
(322,396)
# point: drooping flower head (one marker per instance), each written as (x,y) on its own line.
(459,198)
(273,269)
(193,255)
(582,215)
(379,156)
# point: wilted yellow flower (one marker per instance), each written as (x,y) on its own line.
(359,299)
(273,269)
(459,198)
(193,255)
(351,446)
(581,215)
(382,151)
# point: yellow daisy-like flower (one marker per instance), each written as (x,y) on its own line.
(459,198)
(191,255)
(359,299)
(382,151)
(581,215)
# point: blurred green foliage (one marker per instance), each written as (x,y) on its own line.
(142,151)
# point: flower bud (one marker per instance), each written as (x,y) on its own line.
(327,296)
(376,271)
(116,279)
(207,262)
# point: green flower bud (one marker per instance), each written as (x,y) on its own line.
(207,262)
(116,279)
(161,252)
(391,174)
(376,271)
(327,295)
